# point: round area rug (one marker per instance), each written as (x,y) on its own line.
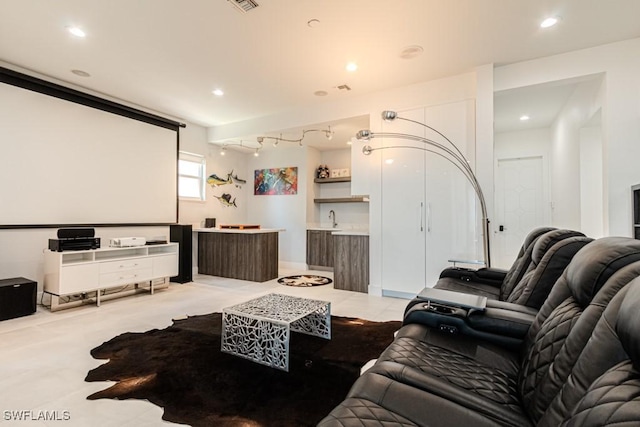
(304,280)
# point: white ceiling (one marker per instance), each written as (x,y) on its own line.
(168,55)
(541,103)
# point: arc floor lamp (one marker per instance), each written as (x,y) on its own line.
(451,153)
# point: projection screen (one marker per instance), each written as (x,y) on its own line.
(70,162)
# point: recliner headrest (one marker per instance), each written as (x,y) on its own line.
(594,264)
(547,240)
(533,235)
(628,323)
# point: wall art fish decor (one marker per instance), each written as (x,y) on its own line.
(237,181)
(225,200)
(215,181)
(276,181)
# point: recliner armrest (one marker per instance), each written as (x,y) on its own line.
(487,276)
(502,322)
(500,326)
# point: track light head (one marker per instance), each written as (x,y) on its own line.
(366,150)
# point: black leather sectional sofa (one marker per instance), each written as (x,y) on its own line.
(573,361)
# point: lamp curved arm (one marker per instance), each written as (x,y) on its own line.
(454,157)
(461,160)
(397,117)
(471,178)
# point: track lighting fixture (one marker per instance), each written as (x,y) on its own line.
(241,144)
(328,133)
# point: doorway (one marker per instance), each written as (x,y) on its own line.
(520,205)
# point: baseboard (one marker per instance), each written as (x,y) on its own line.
(286,265)
(397,294)
(376,291)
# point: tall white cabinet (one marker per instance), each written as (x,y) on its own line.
(429,211)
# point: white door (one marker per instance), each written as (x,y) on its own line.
(453,216)
(519,206)
(403,209)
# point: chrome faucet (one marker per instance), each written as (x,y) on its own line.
(332,216)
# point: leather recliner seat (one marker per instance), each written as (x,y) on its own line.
(426,378)
(493,284)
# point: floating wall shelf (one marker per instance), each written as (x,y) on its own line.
(330,180)
(355,199)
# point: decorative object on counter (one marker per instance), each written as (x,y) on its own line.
(304,280)
(215,181)
(451,154)
(322,172)
(172,375)
(240,227)
(328,133)
(276,181)
(225,200)
(210,223)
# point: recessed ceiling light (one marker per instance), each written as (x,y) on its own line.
(524,118)
(218,92)
(389,161)
(410,52)
(549,22)
(351,67)
(76,31)
(81,73)
(321,93)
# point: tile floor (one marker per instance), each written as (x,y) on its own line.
(44,358)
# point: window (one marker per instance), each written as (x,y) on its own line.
(191,176)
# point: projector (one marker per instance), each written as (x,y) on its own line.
(124,242)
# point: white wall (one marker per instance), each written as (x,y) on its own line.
(620,114)
(193,140)
(284,211)
(565,153)
(591,185)
(348,215)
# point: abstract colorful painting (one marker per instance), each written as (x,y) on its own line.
(276,181)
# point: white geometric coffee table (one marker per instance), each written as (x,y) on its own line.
(259,329)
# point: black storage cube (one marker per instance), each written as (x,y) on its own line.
(17,297)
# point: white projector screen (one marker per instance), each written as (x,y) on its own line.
(64,163)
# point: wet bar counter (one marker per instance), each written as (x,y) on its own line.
(250,254)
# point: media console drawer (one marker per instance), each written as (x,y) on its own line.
(124,277)
(125,265)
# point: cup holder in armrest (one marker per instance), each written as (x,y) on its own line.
(442,309)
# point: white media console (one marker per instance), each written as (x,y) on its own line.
(80,272)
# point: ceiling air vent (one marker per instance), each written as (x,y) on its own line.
(244,5)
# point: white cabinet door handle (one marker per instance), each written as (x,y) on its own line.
(421,215)
(429,217)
